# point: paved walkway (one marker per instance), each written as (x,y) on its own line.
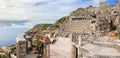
(31,55)
(61,49)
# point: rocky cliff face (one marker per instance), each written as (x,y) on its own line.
(42,27)
(38,28)
(83,11)
(103,12)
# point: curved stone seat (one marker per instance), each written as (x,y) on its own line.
(104,44)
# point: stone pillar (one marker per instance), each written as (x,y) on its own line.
(118,29)
(80,42)
(74,52)
(79,52)
(70,36)
(21,49)
(21,46)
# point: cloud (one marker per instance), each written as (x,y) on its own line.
(20,26)
(39,11)
(97,1)
(10,22)
(2,24)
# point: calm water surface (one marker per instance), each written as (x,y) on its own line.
(8,35)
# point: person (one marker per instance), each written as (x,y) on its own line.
(47,40)
(53,40)
(40,49)
(40,45)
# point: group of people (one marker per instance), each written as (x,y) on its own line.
(42,45)
(43,48)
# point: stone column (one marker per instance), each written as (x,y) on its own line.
(21,46)
(118,29)
(80,42)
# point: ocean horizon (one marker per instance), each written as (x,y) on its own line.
(8,35)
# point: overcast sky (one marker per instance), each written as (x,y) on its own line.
(27,13)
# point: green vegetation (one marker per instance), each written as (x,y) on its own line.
(1,50)
(38,28)
(13,48)
(41,28)
(36,42)
(12,45)
(4,56)
(60,21)
(45,26)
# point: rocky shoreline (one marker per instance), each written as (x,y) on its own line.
(8,51)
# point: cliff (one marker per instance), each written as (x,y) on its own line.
(102,12)
(38,28)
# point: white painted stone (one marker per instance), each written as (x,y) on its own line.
(20,38)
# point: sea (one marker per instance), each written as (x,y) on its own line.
(8,35)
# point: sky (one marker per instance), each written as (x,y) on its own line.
(27,13)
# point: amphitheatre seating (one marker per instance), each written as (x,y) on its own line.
(82,25)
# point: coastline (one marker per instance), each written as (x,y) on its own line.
(8,35)
(7,45)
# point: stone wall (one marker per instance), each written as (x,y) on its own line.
(77,26)
(21,49)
